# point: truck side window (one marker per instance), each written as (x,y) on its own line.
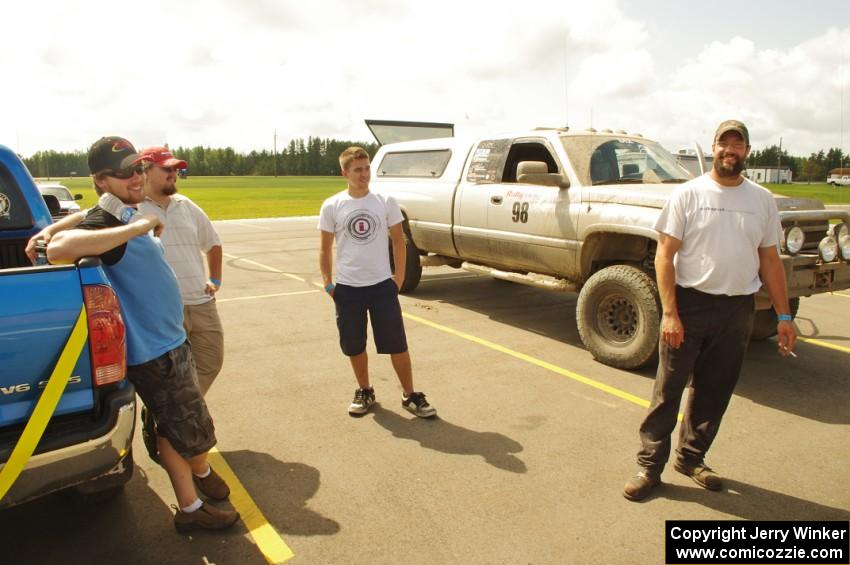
(527,151)
(488,159)
(14,210)
(428,164)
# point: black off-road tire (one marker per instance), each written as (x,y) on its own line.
(412,267)
(764,321)
(619,317)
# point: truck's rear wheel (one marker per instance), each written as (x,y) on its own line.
(412,267)
(618,317)
(764,321)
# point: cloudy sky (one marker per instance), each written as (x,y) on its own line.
(221,72)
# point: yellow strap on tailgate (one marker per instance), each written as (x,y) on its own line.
(46,405)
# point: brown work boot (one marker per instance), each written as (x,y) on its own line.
(207,516)
(212,486)
(641,484)
(701,474)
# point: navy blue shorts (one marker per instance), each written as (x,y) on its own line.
(381,302)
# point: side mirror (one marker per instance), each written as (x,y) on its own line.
(537,172)
(78,197)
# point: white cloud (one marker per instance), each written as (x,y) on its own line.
(223,72)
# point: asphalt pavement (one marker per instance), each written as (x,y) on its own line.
(524,464)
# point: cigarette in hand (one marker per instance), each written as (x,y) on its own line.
(791,353)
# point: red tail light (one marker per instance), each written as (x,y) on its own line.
(106,335)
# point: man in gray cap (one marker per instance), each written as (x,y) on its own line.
(717,244)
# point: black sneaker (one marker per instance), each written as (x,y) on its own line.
(364,398)
(416,404)
(149,434)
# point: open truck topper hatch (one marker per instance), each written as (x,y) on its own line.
(386,131)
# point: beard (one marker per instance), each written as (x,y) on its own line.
(169,190)
(727,171)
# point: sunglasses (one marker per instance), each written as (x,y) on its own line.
(125,173)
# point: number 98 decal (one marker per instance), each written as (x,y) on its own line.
(520,212)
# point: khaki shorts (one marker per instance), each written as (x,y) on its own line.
(169,388)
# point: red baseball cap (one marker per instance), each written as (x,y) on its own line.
(161,156)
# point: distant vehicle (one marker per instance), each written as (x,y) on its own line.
(839,177)
(67,204)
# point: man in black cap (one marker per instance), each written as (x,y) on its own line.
(159,360)
(717,244)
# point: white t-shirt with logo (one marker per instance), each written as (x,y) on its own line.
(360,227)
(721,229)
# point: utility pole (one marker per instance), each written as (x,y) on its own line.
(275,153)
(778,162)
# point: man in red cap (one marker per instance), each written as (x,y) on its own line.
(190,235)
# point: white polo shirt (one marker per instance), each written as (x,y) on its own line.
(188,234)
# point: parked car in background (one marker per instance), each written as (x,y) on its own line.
(67,202)
(838,177)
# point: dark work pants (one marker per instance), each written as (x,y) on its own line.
(717,332)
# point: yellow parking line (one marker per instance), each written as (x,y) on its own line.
(219,300)
(841,294)
(824,344)
(534,361)
(268,541)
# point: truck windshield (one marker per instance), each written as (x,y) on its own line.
(601,159)
(60,192)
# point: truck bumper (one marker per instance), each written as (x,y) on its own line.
(81,462)
(806,275)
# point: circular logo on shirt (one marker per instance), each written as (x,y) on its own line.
(362,226)
(5,205)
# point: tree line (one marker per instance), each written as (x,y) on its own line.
(813,168)
(315,156)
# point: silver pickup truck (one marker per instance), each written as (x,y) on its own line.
(573,211)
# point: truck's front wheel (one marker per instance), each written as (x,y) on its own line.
(618,317)
(412,266)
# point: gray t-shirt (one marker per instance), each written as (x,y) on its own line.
(721,229)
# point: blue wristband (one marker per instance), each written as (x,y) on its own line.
(330,287)
(216,282)
(784,318)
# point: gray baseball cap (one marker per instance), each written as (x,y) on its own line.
(733,125)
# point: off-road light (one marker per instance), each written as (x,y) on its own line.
(828,249)
(841,233)
(794,239)
(844,247)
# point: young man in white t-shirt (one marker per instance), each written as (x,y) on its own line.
(359,221)
(717,245)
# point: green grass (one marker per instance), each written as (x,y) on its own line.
(224,198)
(819,191)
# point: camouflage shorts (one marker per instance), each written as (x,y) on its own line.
(168,386)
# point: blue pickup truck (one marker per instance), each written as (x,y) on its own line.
(60,326)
